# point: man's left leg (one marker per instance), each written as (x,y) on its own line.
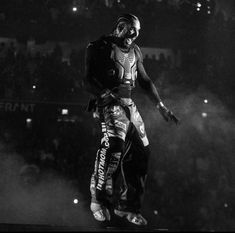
(134,172)
(134,169)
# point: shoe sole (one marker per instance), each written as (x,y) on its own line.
(127,216)
(101,217)
(101,214)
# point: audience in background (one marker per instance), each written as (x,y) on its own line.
(198,195)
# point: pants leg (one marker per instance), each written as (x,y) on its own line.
(111,157)
(133,168)
(114,124)
(134,164)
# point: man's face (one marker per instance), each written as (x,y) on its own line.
(128,32)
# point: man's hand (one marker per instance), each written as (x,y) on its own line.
(166,113)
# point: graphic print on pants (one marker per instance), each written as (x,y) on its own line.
(115,122)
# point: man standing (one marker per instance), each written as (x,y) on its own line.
(112,64)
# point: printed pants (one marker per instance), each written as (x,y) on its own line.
(124,153)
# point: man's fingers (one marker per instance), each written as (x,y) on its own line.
(166,118)
(168,115)
(176,120)
(173,118)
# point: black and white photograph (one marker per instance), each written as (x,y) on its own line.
(117,115)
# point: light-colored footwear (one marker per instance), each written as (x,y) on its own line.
(100,212)
(134,218)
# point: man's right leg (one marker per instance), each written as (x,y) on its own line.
(106,163)
(114,124)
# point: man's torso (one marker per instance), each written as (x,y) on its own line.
(115,68)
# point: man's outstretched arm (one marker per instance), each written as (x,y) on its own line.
(147,84)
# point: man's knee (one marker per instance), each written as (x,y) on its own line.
(116,145)
(141,159)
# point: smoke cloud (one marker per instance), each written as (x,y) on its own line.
(30,196)
(192,164)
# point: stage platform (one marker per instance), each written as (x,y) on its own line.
(47,228)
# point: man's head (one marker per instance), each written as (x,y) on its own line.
(127,29)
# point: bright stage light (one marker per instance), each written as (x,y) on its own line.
(65,112)
(75,201)
(204,114)
(28,120)
(199,4)
(205,101)
(75,9)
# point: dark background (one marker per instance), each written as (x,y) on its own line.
(47,157)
